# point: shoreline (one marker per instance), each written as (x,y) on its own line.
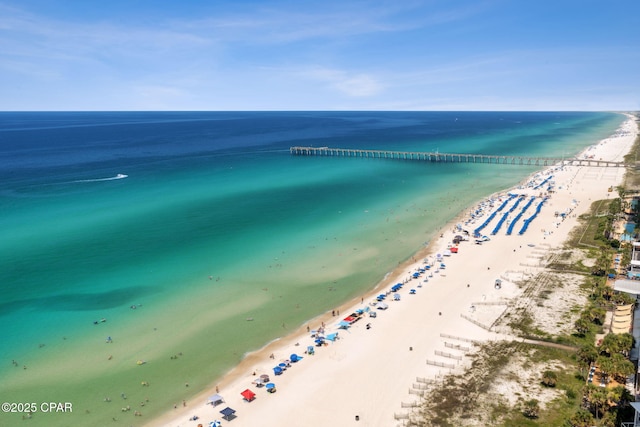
(241,375)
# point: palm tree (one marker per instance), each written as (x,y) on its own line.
(581,418)
(607,292)
(620,396)
(597,315)
(625,342)
(582,325)
(597,399)
(610,344)
(621,367)
(616,343)
(606,365)
(608,420)
(587,354)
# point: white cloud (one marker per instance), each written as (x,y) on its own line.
(350,84)
(158,97)
(359,85)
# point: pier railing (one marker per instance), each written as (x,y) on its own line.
(437,157)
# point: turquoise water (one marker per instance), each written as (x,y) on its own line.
(214,223)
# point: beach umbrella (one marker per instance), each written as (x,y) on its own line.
(277,370)
(248,395)
(264,378)
(269,386)
(215,423)
(227,413)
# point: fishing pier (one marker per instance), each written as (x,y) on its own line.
(437,157)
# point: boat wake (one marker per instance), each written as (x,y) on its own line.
(119,176)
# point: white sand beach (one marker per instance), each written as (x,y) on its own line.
(366,375)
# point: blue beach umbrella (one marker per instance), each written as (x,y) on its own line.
(269,386)
(228,413)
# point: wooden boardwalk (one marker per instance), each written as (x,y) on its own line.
(437,157)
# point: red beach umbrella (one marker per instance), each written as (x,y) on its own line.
(248,395)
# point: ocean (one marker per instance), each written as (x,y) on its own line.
(136,245)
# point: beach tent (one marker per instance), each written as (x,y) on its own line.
(228,413)
(332,337)
(248,395)
(216,400)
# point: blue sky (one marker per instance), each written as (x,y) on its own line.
(320,55)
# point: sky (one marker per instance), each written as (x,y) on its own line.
(549,55)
